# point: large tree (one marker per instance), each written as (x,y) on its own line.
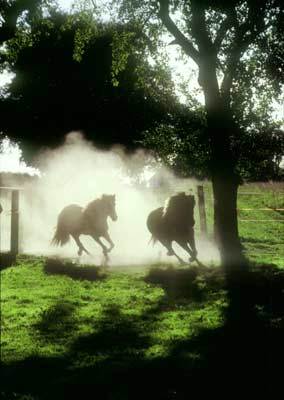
(221,37)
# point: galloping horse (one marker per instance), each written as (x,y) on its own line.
(75,221)
(174,222)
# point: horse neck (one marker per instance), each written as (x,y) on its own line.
(96,210)
(179,216)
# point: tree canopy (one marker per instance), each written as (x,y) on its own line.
(67,77)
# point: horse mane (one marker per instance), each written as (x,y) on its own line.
(175,206)
(171,202)
(94,207)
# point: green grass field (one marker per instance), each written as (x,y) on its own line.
(261,223)
(154,332)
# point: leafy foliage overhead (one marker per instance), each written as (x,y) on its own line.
(11,11)
(238,47)
(68,77)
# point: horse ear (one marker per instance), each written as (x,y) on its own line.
(113,196)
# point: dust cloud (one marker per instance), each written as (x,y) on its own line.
(77,173)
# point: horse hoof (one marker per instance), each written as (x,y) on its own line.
(80,252)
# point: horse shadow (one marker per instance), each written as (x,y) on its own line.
(7,259)
(196,284)
(55,266)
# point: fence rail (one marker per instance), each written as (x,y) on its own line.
(260,209)
(261,220)
(258,193)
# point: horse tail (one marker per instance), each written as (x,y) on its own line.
(61,236)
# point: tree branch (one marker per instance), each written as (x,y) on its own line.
(229,22)
(180,38)
(246,33)
(199,30)
(208,57)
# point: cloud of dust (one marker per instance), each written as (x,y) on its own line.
(77,173)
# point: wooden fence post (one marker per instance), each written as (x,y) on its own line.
(15,222)
(202,213)
(1,209)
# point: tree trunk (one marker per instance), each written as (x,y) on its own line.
(226,222)
(225,183)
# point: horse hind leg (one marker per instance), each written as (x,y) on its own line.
(171,252)
(191,241)
(80,245)
(185,246)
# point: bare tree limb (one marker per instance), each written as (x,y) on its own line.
(229,22)
(246,33)
(208,56)
(199,30)
(224,27)
(180,38)
(94,5)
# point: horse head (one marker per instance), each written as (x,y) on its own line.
(109,203)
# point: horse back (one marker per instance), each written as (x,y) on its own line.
(71,217)
(167,228)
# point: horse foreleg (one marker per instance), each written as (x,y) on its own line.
(108,239)
(98,240)
(80,245)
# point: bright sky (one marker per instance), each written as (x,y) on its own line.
(65,4)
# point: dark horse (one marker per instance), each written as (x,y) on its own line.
(92,220)
(175,222)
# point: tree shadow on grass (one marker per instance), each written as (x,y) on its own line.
(57,323)
(241,357)
(113,335)
(54,266)
(246,350)
(110,359)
